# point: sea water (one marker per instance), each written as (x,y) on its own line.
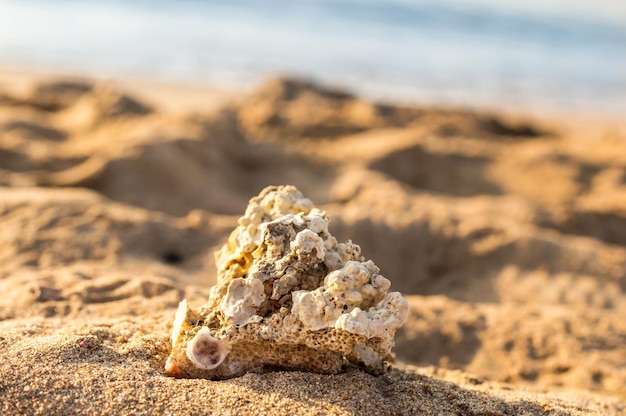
(553,53)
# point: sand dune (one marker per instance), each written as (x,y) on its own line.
(507,234)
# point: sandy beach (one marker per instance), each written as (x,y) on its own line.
(506,233)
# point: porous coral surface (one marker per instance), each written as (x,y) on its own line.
(290,296)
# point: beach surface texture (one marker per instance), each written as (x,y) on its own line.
(505,234)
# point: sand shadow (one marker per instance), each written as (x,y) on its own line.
(443,173)
(609,227)
(180,174)
(57,94)
(15,161)
(423,260)
(357,392)
(438,345)
(33,131)
(496,127)
(419,257)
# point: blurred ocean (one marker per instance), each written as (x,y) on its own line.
(553,54)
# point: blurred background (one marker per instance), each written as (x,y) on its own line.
(552,55)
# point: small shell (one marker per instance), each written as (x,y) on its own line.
(205,351)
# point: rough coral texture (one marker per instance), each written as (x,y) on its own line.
(288,296)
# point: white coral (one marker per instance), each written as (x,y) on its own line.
(242,300)
(353,299)
(288,295)
(306,241)
(388,315)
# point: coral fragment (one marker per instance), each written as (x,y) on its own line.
(288,296)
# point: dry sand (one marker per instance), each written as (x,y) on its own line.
(507,234)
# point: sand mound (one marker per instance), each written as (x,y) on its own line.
(289,109)
(113,144)
(91,358)
(508,234)
(538,344)
(56,95)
